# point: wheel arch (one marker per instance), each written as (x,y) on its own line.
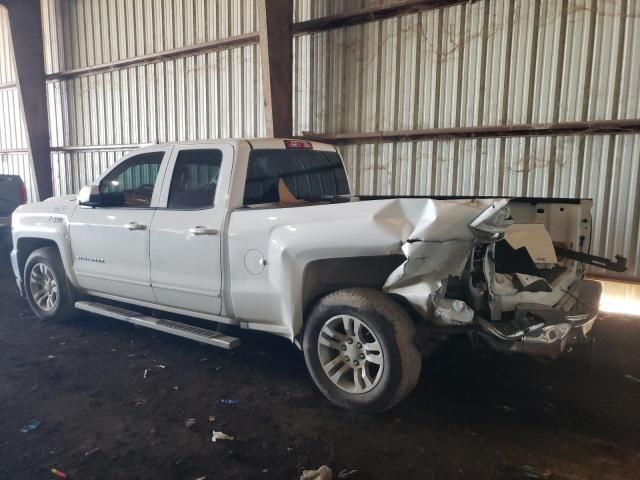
(324,276)
(25,246)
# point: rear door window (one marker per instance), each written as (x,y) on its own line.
(195,179)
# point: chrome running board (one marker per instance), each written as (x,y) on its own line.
(201,335)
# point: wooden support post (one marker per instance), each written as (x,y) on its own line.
(25,22)
(275,18)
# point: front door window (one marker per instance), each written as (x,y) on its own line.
(134,180)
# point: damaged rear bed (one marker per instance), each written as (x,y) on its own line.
(519,287)
(509,272)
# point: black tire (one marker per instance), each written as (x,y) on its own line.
(395,333)
(63,308)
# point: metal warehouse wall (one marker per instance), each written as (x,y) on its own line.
(491,62)
(14,147)
(95,118)
(485,63)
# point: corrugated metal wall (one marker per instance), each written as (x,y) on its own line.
(312,9)
(451,167)
(82,33)
(481,63)
(7,67)
(484,63)
(14,155)
(620,297)
(97,117)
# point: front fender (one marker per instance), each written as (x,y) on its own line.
(39,224)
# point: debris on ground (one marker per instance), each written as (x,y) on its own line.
(51,357)
(189,422)
(58,473)
(146,372)
(31,426)
(506,408)
(346,473)
(92,451)
(159,365)
(212,419)
(229,401)
(632,378)
(530,472)
(201,478)
(215,436)
(322,473)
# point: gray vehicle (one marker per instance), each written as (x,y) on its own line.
(13,193)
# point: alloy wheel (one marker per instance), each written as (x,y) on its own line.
(350,354)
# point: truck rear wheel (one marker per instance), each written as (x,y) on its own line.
(46,286)
(359,346)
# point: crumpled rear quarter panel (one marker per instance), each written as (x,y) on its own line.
(434,235)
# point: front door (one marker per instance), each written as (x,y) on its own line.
(186,235)
(110,245)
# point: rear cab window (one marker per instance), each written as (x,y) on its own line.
(294,176)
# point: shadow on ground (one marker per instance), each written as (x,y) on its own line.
(473,415)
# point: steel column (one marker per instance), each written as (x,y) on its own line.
(25,23)
(275,19)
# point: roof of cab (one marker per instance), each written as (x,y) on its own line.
(255,143)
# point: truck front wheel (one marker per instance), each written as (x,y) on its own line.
(46,287)
(359,346)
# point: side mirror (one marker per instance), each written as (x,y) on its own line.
(90,196)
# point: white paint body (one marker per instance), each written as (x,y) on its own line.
(254,268)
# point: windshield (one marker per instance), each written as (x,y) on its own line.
(306,174)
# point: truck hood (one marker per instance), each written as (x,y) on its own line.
(63,205)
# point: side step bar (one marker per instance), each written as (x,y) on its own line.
(201,335)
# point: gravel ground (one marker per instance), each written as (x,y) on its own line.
(473,415)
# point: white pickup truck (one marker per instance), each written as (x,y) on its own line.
(265,235)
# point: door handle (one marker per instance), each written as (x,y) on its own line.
(135,226)
(200,230)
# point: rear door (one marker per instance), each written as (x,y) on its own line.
(186,233)
(110,245)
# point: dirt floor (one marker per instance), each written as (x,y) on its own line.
(473,415)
